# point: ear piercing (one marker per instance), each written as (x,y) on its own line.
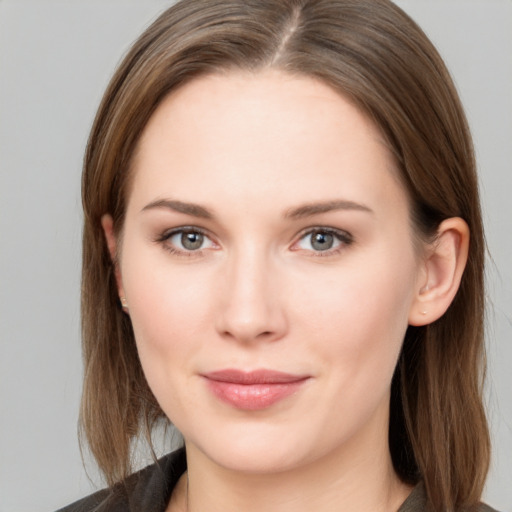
(124,303)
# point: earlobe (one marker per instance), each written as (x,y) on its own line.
(107,224)
(444,264)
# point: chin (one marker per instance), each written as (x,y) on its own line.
(252,450)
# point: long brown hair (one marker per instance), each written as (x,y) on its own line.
(373,53)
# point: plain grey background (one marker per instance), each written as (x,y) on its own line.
(55,60)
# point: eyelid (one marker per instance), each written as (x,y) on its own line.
(344,237)
(166,235)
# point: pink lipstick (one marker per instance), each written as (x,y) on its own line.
(253,390)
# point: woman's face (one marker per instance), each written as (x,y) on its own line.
(268,263)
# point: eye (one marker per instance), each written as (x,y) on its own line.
(326,240)
(186,240)
(190,241)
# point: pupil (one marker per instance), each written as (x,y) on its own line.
(322,241)
(192,241)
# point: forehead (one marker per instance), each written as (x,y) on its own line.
(261,134)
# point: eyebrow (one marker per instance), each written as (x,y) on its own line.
(311,209)
(300,212)
(179,206)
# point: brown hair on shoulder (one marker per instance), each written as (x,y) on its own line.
(373,53)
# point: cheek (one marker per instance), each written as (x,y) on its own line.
(359,316)
(169,309)
(168,318)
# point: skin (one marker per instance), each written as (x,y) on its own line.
(253,150)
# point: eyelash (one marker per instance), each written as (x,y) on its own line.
(343,237)
(167,235)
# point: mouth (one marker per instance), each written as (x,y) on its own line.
(254,390)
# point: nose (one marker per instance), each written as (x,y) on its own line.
(250,303)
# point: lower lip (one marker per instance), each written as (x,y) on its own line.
(253,397)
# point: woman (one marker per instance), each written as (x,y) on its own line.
(283,255)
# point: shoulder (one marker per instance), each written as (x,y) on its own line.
(417,502)
(147,490)
(485,508)
(94,503)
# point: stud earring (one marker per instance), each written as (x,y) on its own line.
(124,303)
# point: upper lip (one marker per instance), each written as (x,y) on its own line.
(262,376)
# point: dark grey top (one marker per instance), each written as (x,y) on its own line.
(150,490)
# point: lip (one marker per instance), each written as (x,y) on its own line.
(253,390)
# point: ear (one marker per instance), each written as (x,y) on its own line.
(107,224)
(444,264)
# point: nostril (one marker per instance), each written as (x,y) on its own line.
(240,334)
